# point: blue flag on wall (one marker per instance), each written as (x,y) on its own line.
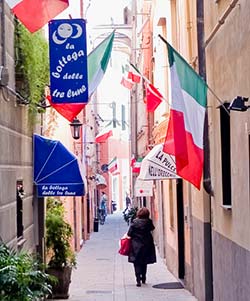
(68,61)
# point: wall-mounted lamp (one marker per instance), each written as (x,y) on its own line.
(238,104)
(75,127)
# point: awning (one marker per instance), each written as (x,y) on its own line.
(158,165)
(143,188)
(56,169)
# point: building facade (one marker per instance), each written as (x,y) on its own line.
(18,209)
(204,235)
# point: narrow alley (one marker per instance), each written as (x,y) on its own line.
(103,274)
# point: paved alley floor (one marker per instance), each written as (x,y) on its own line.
(103,274)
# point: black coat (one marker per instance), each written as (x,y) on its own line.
(143,248)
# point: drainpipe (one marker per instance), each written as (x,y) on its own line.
(3,43)
(208,270)
(133,98)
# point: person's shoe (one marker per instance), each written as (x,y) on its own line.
(138,281)
(143,279)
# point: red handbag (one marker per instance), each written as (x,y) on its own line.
(125,246)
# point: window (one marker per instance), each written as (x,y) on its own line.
(19,208)
(225,156)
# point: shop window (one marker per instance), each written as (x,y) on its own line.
(225,156)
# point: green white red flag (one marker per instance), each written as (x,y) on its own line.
(113,165)
(98,61)
(137,166)
(184,137)
(34,14)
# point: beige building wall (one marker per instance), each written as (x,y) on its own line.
(228,66)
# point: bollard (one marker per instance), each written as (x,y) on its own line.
(96,224)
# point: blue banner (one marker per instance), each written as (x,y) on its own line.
(68,61)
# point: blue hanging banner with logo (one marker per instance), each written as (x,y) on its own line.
(68,61)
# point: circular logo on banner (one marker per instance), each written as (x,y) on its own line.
(104,167)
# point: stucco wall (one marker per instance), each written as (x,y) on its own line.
(228,75)
(15,154)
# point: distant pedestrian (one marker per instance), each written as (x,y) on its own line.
(103,205)
(128,203)
(142,250)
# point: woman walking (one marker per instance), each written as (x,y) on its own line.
(142,245)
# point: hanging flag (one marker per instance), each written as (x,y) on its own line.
(134,75)
(113,165)
(132,161)
(137,166)
(68,61)
(184,137)
(125,81)
(68,111)
(98,61)
(34,14)
(103,135)
(153,97)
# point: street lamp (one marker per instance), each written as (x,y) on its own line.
(75,127)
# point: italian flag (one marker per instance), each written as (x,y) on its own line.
(34,14)
(98,61)
(184,137)
(113,166)
(137,165)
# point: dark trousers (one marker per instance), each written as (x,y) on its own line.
(140,271)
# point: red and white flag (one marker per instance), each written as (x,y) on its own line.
(153,96)
(103,135)
(134,75)
(125,81)
(34,14)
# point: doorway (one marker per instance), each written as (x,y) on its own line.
(180,225)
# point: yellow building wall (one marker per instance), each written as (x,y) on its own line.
(228,68)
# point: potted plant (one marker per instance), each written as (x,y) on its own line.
(60,254)
(21,276)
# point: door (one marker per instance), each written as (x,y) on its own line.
(180,224)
